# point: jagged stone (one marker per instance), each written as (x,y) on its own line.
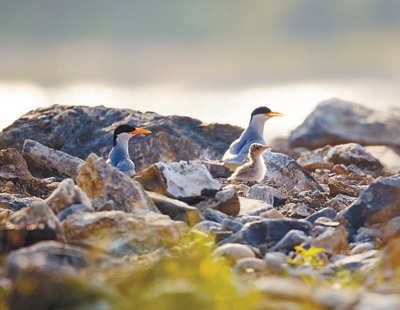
(379,203)
(13,166)
(340,202)
(176,209)
(122,233)
(285,172)
(16,202)
(47,162)
(339,187)
(290,240)
(51,270)
(333,240)
(265,231)
(30,225)
(315,159)
(64,213)
(188,181)
(67,194)
(225,201)
(336,121)
(102,181)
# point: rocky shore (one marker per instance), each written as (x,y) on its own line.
(321,231)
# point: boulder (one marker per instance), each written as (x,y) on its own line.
(47,162)
(47,275)
(67,194)
(16,202)
(315,159)
(104,182)
(13,166)
(336,121)
(176,209)
(267,230)
(283,171)
(379,203)
(30,225)
(80,130)
(225,201)
(189,181)
(122,233)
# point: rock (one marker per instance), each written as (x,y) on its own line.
(233,252)
(267,194)
(225,201)
(356,261)
(275,258)
(272,214)
(340,202)
(251,264)
(188,181)
(102,181)
(67,194)
(252,206)
(231,224)
(296,210)
(326,212)
(389,158)
(392,229)
(370,300)
(330,297)
(290,240)
(315,159)
(362,248)
(354,153)
(51,271)
(30,225)
(341,188)
(333,240)
(281,145)
(207,226)
(213,215)
(176,209)
(379,203)
(13,166)
(122,233)
(285,172)
(64,213)
(80,130)
(366,234)
(266,231)
(47,162)
(336,121)
(16,202)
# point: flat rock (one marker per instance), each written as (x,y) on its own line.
(185,180)
(252,206)
(270,230)
(284,171)
(102,181)
(337,121)
(122,233)
(176,209)
(13,166)
(379,203)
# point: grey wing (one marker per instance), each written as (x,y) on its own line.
(126,166)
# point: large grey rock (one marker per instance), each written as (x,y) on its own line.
(102,181)
(80,130)
(122,233)
(337,121)
(13,166)
(51,271)
(379,203)
(185,180)
(284,171)
(47,162)
(265,231)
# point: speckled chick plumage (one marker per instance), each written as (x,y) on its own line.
(255,168)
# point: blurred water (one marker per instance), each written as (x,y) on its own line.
(231,106)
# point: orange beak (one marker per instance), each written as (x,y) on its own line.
(271,114)
(139,131)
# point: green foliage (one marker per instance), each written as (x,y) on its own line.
(189,277)
(308,257)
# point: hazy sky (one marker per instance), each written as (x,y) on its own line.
(178,53)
